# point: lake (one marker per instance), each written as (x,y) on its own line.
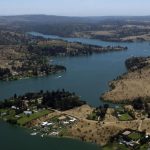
(15,138)
(87,76)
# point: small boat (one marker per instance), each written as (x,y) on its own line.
(33,134)
(58,77)
(42,135)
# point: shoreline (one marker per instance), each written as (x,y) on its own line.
(127,87)
(84,129)
(33,76)
(107,39)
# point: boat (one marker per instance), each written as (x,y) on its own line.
(42,135)
(34,133)
(58,77)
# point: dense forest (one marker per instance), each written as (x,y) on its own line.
(60,100)
(50,47)
(136,63)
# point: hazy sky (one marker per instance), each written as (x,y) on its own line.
(76,7)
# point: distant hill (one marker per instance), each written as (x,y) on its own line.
(65,26)
(64,19)
(49,19)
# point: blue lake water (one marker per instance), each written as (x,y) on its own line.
(87,76)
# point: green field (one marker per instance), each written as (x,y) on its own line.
(92,116)
(125,117)
(10,113)
(144,147)
(25,119)
(135,136)
(3,110)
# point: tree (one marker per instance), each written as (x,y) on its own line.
(15,96)
(138,104)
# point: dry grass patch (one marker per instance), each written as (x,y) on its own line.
(130,86)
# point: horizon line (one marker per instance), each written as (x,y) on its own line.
(73,15)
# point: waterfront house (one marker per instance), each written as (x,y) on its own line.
(27,112)
(13,107)
(44,123)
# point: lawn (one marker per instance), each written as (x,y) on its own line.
(135,136)
(120,110)
(10,113)
(144,147)
(25,119)
(92,116)
(3,110)
(125,117)
(115,146)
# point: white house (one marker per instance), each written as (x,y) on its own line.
(27,112)
(44,123)
(13,107)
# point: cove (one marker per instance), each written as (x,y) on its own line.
(87,76)
(15,138)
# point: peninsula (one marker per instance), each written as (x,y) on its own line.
(133,84)
(24,56)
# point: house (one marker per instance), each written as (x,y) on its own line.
(3,114)
(44,123)
(50,123)
(62,118)
(17,116)
(65,122)
(14,73)
(126,133)
(39,100)
(54,133)
(72,119)
(13,107)
(27,112)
